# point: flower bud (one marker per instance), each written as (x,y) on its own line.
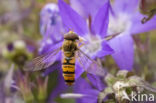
(17,52)
(42,89)
(122,73)
(19,45)
(110,79)
(25,88)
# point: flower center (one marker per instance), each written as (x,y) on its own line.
(119,24)
(93,46)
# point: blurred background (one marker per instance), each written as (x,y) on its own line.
(19,32)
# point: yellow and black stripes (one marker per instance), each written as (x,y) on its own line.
(68,67)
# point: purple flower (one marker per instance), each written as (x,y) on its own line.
(52,38)
(93,33)
(127,20)
(86,92)
(51,27)
(90,94)
(52,30)
(124,19)
(8,87)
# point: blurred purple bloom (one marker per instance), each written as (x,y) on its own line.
(52,30)
(89,90)
(51,27)
(8,86)
(94,33)
(2,94)
(127,20)
(60,87)
(83,92)
(9,83)
(124,19)
(10,46)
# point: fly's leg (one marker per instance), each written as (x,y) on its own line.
(81,42)
(150,15)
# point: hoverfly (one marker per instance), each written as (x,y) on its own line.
(72,54)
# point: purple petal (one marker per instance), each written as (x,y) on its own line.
(106,50)
(49,11)
(123,51)
(56,65)
(10,47)
(82,86)
(78,70)
(48,47)
(138,27)
(61,86)
(125,5)
(9,78)
(100,23)
(55,33)
(96,81)
(86,7)
(50,22)
(71,19)
(92,99)
(2,94)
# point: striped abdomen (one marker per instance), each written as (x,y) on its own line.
(68,66)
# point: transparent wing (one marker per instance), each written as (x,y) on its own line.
(88,64)
(42,61)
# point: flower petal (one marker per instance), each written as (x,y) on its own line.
(100,23)
(138,27)
(78,70)
(60,87)
(106,50)
(86,7)
(82,86)
(71,19)
(9,78)
(2,94)
(96,81)
(56,65)
(50,23)
(125,5)
(48,46)
(50,10)
(123,51)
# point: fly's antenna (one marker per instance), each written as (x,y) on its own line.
(71,30)
(81,39)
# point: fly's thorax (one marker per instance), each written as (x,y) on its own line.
(69,47)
